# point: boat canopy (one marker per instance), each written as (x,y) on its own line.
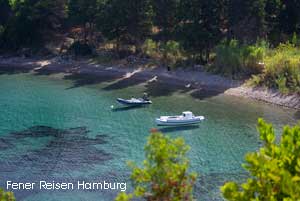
(187,114)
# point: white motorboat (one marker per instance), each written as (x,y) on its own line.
(187,118)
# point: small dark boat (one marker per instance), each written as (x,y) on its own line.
(134,101)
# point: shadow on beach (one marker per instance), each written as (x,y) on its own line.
(157,82)
(161,88)
(125,83)
(80,80)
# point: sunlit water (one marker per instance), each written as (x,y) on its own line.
(53,130)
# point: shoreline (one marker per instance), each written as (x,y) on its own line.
(190,80)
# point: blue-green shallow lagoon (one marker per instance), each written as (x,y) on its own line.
(56,130)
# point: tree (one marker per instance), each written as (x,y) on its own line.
(246,20)
(273,9)
(201,25)
(127,21)
(84,13)
(290,17)
(274,170)
(32,20)
(164,175)
(5,12)
(166,17)
(6,196)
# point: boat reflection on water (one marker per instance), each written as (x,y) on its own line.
(178,128)
(120,109)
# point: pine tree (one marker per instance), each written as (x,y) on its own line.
(5,12)
(290,17)
(84,13)
(166,17)
(127,21)
(247,20)
(32,20)
(200,26)
(273,9)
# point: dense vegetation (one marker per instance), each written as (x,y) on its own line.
(282,69)
(164,175)
(274,170)
(277,68)
(232,37)
(6,196)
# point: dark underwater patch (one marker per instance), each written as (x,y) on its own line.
(64,150)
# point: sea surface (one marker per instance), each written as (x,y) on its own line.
(63,129)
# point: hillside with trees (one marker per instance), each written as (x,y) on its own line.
(255,39)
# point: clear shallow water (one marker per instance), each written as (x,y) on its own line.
(52,129)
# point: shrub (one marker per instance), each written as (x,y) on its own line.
(6,196)
(274,170)
(282,69)
(169,53)
(295,41)
(164,175)
(172,53)
(151,48)
(236,60)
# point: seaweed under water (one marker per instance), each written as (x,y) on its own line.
(65,149)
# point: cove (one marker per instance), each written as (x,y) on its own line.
(64,130)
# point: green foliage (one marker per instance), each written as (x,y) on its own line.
(30,21)
(282,69)
(170,53)
(126,21)
(151,48)
(289,19)
(164,175)
(176,29)
(272,18)
(274,170)
(84,14)
(81,12)
(200,27)
(247,19)
(166,17)
(236,60)
(5,11)
(6,196)
(294,39)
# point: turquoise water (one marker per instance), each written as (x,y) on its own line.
(63,130)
